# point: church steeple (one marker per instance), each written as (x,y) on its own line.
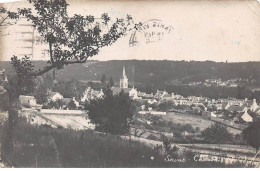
(124,80)
(124,72)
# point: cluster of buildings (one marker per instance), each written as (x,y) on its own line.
(219,83)
(240,109)
(3,75)
(30,101)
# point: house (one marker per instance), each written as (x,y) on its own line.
(157,113)
(4,98)
(186,133)
(141,94)
(75,101)
(218,105)
(152,112)
(152,101)
(3,75)
(235,108)
(159,94)
(166,97)
(257,111)
(226,105)
(54,96)
(143,112)
(144,95)
(209,114)
(176,96)
(131,91)
(27,101)
(244,116)
(66,101)
(251,104)
(90,94)
(148,96)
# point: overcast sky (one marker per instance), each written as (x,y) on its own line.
(202,30)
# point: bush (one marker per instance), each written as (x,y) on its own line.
(152,137)
(112,114)
(46,106)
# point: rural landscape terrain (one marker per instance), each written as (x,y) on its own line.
(60,108)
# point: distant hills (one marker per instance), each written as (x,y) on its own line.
(154,72)
(151,75)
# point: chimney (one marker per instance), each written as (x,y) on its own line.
(254,100)
(245,99)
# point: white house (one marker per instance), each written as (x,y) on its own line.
(133,93)
(152,101)
(54,96)
(91,94)
(27,100)
(246,117)
(75,101)
(157,113)
(254,106)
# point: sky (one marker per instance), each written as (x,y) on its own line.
(201,30)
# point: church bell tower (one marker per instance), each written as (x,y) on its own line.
(123,80)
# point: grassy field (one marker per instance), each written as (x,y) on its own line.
(193,120)
(42,146)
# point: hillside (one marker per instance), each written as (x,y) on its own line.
(169,75)
(155,71)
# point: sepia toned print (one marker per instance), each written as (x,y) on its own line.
(129,84)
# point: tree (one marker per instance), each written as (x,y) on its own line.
(41,94)
(252,135)
(111,82)
(54,104)
(24,83)
(103,79)
(72,105)
(7,17)
(165,106)
(166,144)
(216,133)
(71,39)
(112,114)
(154,106)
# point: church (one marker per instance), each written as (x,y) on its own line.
(124,86)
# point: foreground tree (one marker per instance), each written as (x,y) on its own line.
(7,17)
(252,135)
(112,114)
(41,94)
(216,133)
(71,39)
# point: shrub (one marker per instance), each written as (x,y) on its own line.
(152,137)
(112,114)
(46,106)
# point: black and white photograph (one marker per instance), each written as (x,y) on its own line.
(130,84)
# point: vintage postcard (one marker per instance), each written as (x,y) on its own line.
(130,84)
